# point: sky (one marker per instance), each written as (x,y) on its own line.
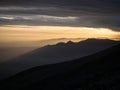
(32,20)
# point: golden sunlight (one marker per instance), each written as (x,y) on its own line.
(34,33)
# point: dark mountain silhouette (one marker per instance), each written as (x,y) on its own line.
(10,50)
(100,71)
(50,54)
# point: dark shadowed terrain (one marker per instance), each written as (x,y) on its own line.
(100,71)
(10,50)
(52,54)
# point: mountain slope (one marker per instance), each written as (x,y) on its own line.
(50,54)
(8,51)
(100,71)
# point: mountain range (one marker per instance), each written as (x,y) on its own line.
(10,50)
(52,54)
(99,71)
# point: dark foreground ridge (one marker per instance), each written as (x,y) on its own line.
(52,54)
(100,71)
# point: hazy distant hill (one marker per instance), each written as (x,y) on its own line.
(10,50)
(100,71)
(50,54)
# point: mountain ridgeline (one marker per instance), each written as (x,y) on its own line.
(52,54)
(99,71)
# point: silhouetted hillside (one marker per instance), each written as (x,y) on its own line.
(8,51)
(50,54)
(100,71)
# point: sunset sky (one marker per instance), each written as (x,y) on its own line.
(32,20)
(34,33)
(59,34)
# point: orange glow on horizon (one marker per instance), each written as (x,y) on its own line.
(34,33)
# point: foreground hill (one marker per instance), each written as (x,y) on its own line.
(100,71)
(50,54)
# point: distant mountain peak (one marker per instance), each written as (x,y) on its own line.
(97,39)
(90,40)
(70,42)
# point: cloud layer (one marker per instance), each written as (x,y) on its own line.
(92,13)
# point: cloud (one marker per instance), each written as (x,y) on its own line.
(92,13)
(38,20)
(86,6)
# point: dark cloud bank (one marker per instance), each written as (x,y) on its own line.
(90,13)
